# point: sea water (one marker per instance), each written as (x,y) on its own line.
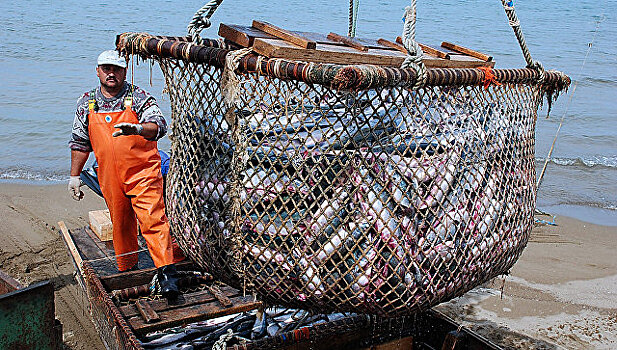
(49,48)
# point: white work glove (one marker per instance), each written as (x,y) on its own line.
(74,184)
(128,129)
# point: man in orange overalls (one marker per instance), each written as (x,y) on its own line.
(121,124)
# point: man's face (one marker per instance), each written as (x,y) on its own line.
(111,76)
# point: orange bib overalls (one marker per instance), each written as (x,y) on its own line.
(132,185)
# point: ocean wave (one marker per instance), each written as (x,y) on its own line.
(588,162)
(589,81)
(30,175)
(590,204)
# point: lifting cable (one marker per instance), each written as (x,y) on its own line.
(508,6)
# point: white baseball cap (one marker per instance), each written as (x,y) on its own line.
(111,57)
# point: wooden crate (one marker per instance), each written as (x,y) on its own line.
(100,223)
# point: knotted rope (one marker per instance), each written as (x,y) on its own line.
(414,58)
(230,89)
(221,344)
(201,20)
(508,6)
(353,17)
(230,83)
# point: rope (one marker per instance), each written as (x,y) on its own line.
(230,89)
(508,6)
(351,24)
(353,17)
(221,344)
(414,59)
(201,20)
(580,73)
(230,83)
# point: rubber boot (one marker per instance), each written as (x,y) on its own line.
(168,280)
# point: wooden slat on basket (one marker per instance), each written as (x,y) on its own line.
(467,51)
(241,35)
(274,48)
(347,41)
(326,53)
(331,51)
(391,44)
(426,49)
(286,35)
(244,36)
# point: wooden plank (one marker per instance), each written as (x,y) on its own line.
(86,245)
(347,41)
(199,312)
(128,279)
(432,51)
(146,311)
(462,61)
(325,53)
(75,255)
(285,35)
(392,45)
(106,247)
(244,36)
(241,35)
(100,223)
(136,278)
(188,299)
(467,51)
(8,283)
(71,245)
(219,295)
(426,49)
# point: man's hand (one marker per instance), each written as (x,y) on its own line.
(74,184)
(128,129)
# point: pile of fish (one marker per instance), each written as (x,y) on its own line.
(246,327)
(383,201)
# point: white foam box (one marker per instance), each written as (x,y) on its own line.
(100,223)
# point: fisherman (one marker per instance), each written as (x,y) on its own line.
(121,123)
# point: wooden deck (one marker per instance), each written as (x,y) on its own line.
(123,312)
(95,262)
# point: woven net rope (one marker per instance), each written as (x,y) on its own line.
(331,187)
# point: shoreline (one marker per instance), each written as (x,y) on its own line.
(589,214)
(561,293)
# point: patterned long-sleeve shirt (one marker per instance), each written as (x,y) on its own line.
(144,105)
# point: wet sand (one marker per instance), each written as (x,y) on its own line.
(562,293)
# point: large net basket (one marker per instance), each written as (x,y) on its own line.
(331,187)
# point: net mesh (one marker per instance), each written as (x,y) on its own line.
(384,201)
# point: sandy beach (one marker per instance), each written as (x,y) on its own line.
(562,293)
